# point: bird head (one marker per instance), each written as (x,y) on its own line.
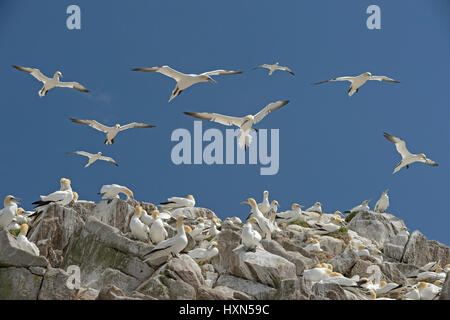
(252,220)
(365,202)
(99,153)
(296,206)
(10,199)
(19,211)
(75,195)
(58,75)
(24,229)
(361,247)
(250,201)
(275,203)
(338,213)
(422,285)
(266,194)
(180,220)
(187,229)
(138,211)
(368,74)
(317,204)
(190,196)
(129,193)
(249,117)
(319,265)
(422,156)
(214,243)
(117,126)
(383,283)
(386,191)
(155,214)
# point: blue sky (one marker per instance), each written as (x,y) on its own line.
(332,147)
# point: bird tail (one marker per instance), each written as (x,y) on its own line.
(244,140)
(40,203)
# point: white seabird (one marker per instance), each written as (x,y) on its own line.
(429,266)
(317,207)
(428,291)
(407,157)
(196,233)
(111,132)
(314,245)
(171,246)
(358,81)
(250,237)
(9,211)
(183,80)
(263,222)
(338,278)
(178,202)
(383,203)
(62,197)
(111,191)
(363,207)
(273,67)
(295,214)
(94,157)
(264,206)
(50,83)
(316,274)
(26,244)
(139,229)
(244,123)
(202,255)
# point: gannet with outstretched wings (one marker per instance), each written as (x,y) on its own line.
(273,67)
(94,157)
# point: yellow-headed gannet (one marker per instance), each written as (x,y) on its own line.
(313,245)
(94,157)
(363,207)
(407,157)
(263,222)
(250,237)
(178,202)
(62,197)
(383,203)
(429,266)
(295,214)
(316,274)
(413,293)
(333,225)
(274,67)
(139,229)
(196,233)
(183,80)
(428,291)
(358,81)
(385,287)
(146,218)
(111,132)
(26,244)
(157,231)
(338,278)
(363,251)
(317,207)
(264,206)
(111,191)
(171,246)
(236,220)
(202,255)
(50,83)
(244,123)
(438,274)
(9,211)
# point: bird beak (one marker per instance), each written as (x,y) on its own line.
(212,80)
(16,199)
(244,202)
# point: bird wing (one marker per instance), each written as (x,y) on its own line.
(215,117)
(268,109)
(287,69)
(109,159)
(73,85)
(220,72)
(351,79)
(430,162)
(262,66)
(400,145)
(164,244)
(135,125)
(383,78)
(55,196)
(92,123)
(83,153)
(165,70)
(34,72)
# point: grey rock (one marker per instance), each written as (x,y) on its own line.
(420,251)
(445,291)
(116,213)
(255,289)
(12,256)
(327,291)
(54,286)
(185,268)
(344,262)
(206,293)
(392,273)
(294,289)
(19,284)
(332,245)
(164,287)
(227,241)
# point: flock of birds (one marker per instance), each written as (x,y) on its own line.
(263,222)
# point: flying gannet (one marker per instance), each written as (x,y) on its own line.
(273,67)
(183,80)
(363,207)
(407,157)
(111,132)
(244,123)
(383,203)
(111,191)
(9,211)
(263,222)
(250,237)
(202,255)
(94,157)
(358,81)
(178,202)
(50,83)
(139,229)
(157,231)
(62,197)
(264,206)
(171,246)
(26,244)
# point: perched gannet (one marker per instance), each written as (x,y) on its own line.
(373,296)
(333,225)
(338,278)
(385,287)
(274,205)
(313,245)
(183,80)
(274,67)
(50,83)
(295,212)
(23,217)
(429,266)
(250,238)
(213,232)
(316,274)
(236,220)
(244,123)
(317,207)
(139,229)
(178,202)
(62,197)
(438,274)
(9,211)
(363,207)
(428,291)
(111,191)
(196,233)
(264,206)
(202,255)
(94,157)
(407,157)
(263,222)
(24,243)
(111,132)
(157,231)
(413,293)
(146,218)
(358,81)
(363,251)
(383,203)
(171,246)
